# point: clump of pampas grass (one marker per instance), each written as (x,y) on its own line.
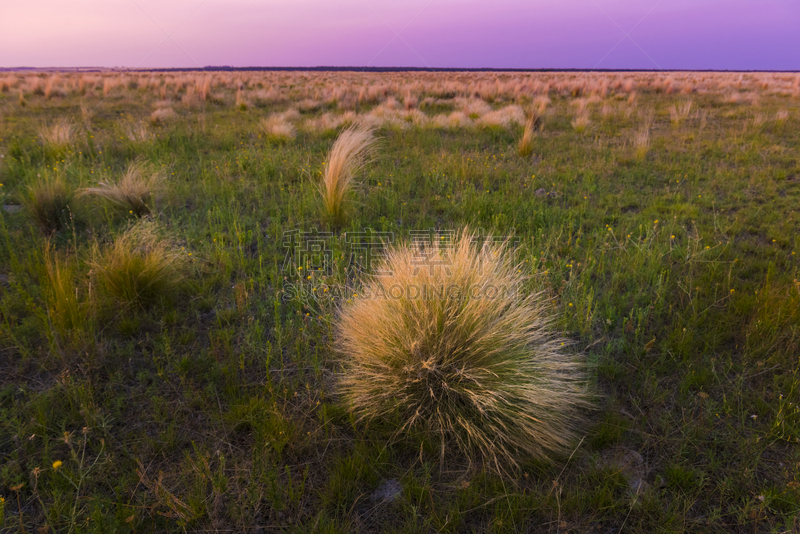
(448,346)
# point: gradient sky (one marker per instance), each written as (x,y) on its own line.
(649,34)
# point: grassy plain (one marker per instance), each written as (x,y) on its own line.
(660,212)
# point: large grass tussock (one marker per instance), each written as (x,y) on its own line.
(477,366)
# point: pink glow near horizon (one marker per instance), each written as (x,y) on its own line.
(670,34)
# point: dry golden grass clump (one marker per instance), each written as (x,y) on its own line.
(162,115)
(140,266)
(278,129)
(47,201)
(327,122)
(455,120)
(131,193)
(504,117)
(581,121)
(109,84)
(416,118)
(59,134)
(474,108)
(448,344)
(51,88)
(350,153)
(6,83)
(541,103)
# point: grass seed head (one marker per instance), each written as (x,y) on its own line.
(352,150)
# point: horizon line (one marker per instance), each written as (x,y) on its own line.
(226,68)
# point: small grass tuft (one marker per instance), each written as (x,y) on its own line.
(162,115)
(277,129)
(69,318)
(48,201)
(57,135)
(137,131)
(131,193)
(449,343)
(641,142)
(581,122)
(140,266)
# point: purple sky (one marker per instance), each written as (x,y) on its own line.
(650,34)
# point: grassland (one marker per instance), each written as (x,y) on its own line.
(658,211)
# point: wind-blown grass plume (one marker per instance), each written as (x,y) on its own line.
(449,345)
(139,267)
(131,193)
(351,151)
(525,146)
(48,201)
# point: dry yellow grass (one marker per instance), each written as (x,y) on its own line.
(450,344)
(350,153)
(347,90)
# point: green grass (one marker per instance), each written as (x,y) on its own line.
(673,268)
